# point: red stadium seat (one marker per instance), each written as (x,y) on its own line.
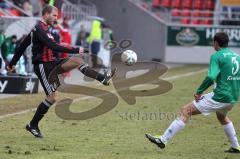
(175,12)
(207,22)
(195,21)
(198,4)
(195,17)
(197,13)
(207,13)
(209,4)
(166,3)
(185,21)
(187,4)
(156,3)
(177,4)
(186,13)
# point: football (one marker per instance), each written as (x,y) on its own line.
(129,57)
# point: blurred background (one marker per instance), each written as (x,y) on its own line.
(177,33)
(172,31)
(168,31)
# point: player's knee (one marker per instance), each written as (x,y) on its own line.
(184,114)
(52,98)
(223,119)
(77,60)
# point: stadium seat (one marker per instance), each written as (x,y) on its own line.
(198,4)
(195,17)
(207,13)
(195,21)
(176,4)
(206,22)
(175,12)
(185,21)
(166,3)
(197,13)
(209,4)
(187,4)
(186,13)
(156,3)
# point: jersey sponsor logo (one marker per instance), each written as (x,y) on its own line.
(3,86)
(232,78)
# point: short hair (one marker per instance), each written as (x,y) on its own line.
(48,9)
(14,37)
(222,39)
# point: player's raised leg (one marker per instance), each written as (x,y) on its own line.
(176,126)
(76,62)
(229,131)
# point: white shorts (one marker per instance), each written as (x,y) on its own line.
(207,105)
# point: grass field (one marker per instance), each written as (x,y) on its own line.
(118,134)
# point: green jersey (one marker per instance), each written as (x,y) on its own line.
(224,72)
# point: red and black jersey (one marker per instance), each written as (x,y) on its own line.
(43,45)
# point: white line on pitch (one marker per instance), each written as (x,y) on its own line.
(84,98)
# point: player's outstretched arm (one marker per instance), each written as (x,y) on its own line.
(20,50)
(47,39)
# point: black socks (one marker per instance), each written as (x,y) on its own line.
(40,112)
(86,70)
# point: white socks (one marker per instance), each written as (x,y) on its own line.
(176,126)
(231,134)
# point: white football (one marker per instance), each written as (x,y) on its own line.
(129,57)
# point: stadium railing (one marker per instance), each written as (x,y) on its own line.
(77,11)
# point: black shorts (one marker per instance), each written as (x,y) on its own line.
(43,71)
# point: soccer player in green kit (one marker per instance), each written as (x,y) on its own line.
(224,72)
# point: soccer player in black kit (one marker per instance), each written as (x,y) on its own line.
(44,62)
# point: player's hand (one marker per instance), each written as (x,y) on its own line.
(11,69)
(83,50)
(197,97)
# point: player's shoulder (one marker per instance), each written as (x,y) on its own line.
(224,52)
(215,55)
(41,25)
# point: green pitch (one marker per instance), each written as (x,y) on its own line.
(118,134)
